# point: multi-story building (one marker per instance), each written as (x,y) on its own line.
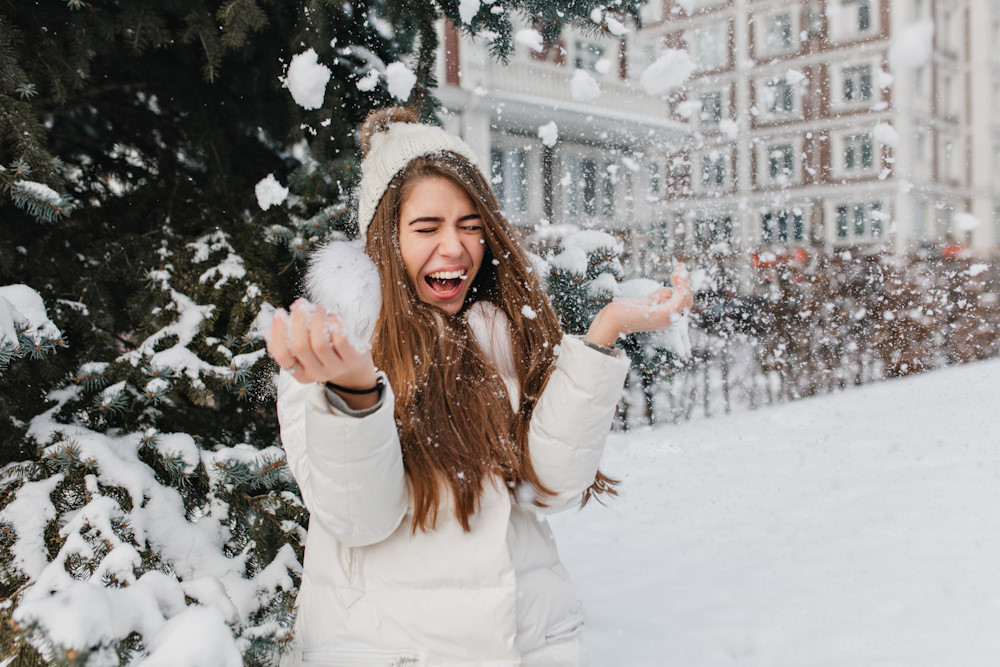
(605,169)
(806,133)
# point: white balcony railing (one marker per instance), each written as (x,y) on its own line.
(552,83)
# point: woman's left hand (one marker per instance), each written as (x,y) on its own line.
(651,313)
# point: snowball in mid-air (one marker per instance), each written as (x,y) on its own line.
(306,80)
(912,46)
(794,76)
(729,128)
(467,10)
(530,38)
(669,71)
(367,83)
(886,134)
(615,27)
(549,133)
(966,222)
(270,192)
(400,80)
(583,88)
(976,269)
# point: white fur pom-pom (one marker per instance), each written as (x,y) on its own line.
(344,280)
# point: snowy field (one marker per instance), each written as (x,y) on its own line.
(857,529)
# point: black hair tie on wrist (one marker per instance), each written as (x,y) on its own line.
(356,392)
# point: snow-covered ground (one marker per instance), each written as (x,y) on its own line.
(857,529)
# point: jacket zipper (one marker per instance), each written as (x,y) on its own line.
(564,630)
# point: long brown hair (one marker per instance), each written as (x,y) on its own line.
(453,413)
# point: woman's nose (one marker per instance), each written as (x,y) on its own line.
(450,244)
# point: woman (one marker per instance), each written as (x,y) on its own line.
(428,480)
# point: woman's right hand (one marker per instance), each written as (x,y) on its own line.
(313,346)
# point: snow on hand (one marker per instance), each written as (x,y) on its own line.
(270,192)
(583,87)
(400,80)
(669,71)
(306,79)
(549,133)
(912,46)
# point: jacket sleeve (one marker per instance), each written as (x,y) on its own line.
(349,469)
(572,418)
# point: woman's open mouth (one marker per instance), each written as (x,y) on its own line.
(446,284)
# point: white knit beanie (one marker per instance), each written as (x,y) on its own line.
(390,151)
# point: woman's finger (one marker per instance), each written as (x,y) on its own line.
(300,341)
(277,340)
(322,344)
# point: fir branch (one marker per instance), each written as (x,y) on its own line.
(238,19)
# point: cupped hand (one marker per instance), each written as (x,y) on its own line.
(650,313)
(313,346)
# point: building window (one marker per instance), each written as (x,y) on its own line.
(781,161)
(782,226)
(711,108)
(709,232)
(509,178)
(780,97)
(855,18)
(947,90)
(713,169)
(586,56)
(857,222)
(857,83)
(655,182)
(778,35)
(859,152)
(590,187)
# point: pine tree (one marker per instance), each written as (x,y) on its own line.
(139,461)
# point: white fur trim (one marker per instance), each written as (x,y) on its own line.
(389,154)
(344,280)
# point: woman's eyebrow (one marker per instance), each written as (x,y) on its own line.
(433,218)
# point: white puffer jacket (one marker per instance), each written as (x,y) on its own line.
(374,592)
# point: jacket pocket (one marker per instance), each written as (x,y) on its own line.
(320,658)
(564,630)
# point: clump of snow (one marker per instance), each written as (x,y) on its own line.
(583,87)
(367,83)
(676,338)
(602,66)
(669,71)
(22,309)
(688,108)
(306,79)
(597,15)
(615,27)
(793,77)
(530,38)
(729,128)
(270,192)
(912,46)
(400,80)
(570,260)
(549,133)
(886,134)
(467,10)
(39,191)
(966,222)
(592,240)
(976,269)
(630,164)
(603,286)
(883,79)
(528,312)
